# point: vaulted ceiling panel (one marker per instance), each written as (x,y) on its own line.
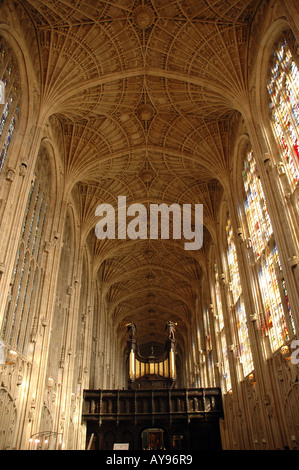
(145,92)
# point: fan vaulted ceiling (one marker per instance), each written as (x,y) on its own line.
(145,92)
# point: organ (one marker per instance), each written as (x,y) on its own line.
(153,371)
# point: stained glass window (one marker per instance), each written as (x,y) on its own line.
(221,333)
(18,318)
(11,91)
(206,321)
(210,366)
(258,219)
(274,314)
(274,323)
(244,349)
(208,346)
(283,89)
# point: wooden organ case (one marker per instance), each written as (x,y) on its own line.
(152,407)
(152,372)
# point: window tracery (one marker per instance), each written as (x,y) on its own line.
(283,89)
(222,344)
(208,346)
(274,323)
(10,94)
(18,319)
(243,347)
(61,313)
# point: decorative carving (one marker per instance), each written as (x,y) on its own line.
(145,112)
(280,169)
(143,16)
(170,326)
(293,261)
(10,174)
(23,168)
(131,328)
(253,317)
(2,269)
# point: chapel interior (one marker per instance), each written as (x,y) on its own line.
(112,337)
